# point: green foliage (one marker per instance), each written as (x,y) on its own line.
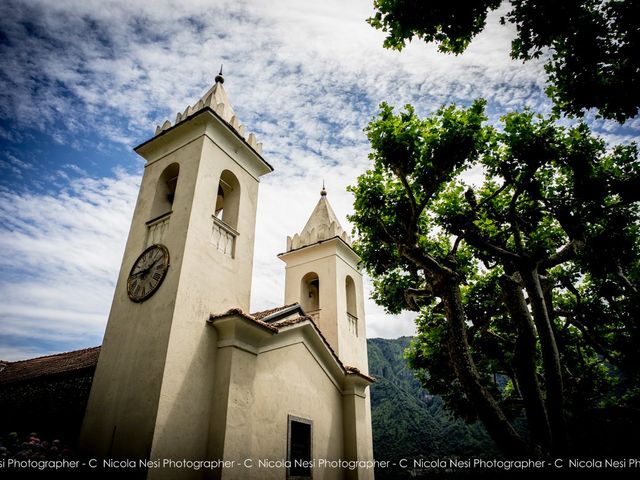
(390,287)
(418,156)
(491,336)
(445,24)
(555,208)
(593,44)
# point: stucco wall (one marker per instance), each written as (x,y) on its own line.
(332,261)
(290,381)
(153,379)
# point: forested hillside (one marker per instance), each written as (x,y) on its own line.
(407,421)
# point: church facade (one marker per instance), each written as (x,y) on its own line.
(185,372)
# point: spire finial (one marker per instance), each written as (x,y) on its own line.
(219,77)
(323,192)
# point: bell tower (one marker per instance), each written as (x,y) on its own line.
(194,217)
(322,275)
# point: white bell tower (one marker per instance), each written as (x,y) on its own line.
(322,275)
(152,389)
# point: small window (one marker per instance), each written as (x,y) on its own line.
(219,203)
(165,191)
(227,202)
(299,451)
(310,293)
(352,309)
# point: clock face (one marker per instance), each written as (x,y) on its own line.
(148,272)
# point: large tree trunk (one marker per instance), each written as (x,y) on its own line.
(525,364)
(550,361)
(494,420)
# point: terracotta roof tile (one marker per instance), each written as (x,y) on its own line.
(356,371)
(231,311)
(88,358)
(285,323)
(266,313)
(49,365)
(292,321)
(239,312)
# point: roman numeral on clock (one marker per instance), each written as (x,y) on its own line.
(148,272)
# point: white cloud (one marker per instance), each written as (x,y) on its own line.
(288,61)
(60,259)
(305,76)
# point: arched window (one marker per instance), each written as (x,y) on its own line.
(228,199)
(310,294)
(165,191)
(352,309)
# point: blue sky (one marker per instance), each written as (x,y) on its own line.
(82,82)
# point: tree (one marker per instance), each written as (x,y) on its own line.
(591,45)
(502,273)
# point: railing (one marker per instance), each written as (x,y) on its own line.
(315,315)
(223,237)
(157,228)
(353,323)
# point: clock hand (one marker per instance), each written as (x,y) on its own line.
(146,270)
(143,271)
(154,263)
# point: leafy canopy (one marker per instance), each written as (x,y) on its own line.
(591,46)
(553,201)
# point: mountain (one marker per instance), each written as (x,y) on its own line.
(408,422)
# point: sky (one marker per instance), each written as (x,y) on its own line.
(82,82)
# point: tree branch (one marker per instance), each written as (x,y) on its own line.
(454,249)
(412,294)
(568,252)
(620,274)
(412,199)
(493,195)
(474,239)
(592,340)
(517,235)
(424,260)
(573,320)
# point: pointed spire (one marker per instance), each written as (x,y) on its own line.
(323,224)
(215,99)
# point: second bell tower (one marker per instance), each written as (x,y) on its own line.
(189,253)
(322,275)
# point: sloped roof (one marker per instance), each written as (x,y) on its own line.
(356,371)
(49,365)
(239,312)
(292,321)
(85,359)
(266,315)
(348,369)
(269,316)
(289,321)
